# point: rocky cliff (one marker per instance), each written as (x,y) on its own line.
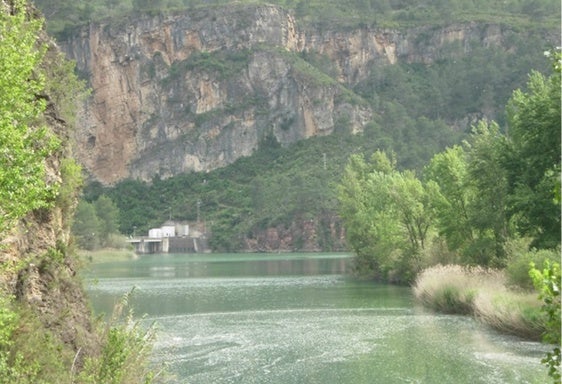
(43,306)
(197,90)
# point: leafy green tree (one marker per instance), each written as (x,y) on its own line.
(86,226)
(388,216)
(108,217)
(471,196)
(448,170)
(24,142)
(413,203)
(488,210)
(533,161)
(363,228)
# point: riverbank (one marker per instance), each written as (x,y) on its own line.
(484,294)
(106,255)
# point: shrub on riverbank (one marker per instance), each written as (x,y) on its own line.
(482,293)
(125,353)
(107,255)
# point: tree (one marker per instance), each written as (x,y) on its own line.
(413,203)
(86,225)
(25,144)
(108,218)
(533,159)
(448,170)
(369,227)
(487,212)
(471,196)
(388,215)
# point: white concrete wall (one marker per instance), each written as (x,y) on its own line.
(169,231)
(155,233)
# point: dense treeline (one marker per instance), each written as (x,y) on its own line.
(492,201)
(96,224)
(469,201)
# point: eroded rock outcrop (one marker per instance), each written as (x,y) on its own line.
(197,90)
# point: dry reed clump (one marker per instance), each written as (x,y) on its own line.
(516,313)
(482,293)
(453,288)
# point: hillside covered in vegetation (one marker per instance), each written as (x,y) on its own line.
(419,107)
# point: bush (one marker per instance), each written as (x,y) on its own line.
(29,354)
(547,283)
(519,259)
(448,289)
(509,312)
(125,353)
(482,293)
(25,146)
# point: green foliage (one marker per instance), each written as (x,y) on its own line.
(24,144)
(126,348)
(85,226)
(487,212)
(63,86)
(533,160)
(388,216)
(472,196)
(225,64)
(520,255)
(457,85)
(108,216)
(10,367)
(96,223)
(547,283)
(64,16)
(29,354)
(72,181)
(478,196)
(449,170)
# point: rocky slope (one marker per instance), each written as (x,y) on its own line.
(37,270)
(196,90)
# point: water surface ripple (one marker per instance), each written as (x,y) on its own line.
(298,319)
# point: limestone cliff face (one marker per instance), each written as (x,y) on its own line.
(197,90)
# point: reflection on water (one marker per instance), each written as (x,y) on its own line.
(298,319)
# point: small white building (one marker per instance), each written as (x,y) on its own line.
(164,231)
(155,233)
(182,230)
(168,231)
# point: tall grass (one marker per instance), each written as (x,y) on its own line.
(482,293)
(125,351)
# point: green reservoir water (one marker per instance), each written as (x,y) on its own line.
(297,318)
